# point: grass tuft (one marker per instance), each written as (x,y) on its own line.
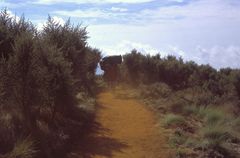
(214,116)
(172,119)
(214,136)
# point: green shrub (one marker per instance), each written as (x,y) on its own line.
(214,116)
(172,119)
(213,136)
(208,114)
(177,140)
(199,111)
(155,90)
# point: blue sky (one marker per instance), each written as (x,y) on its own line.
(206,31)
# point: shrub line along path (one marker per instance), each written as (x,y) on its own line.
(127,130)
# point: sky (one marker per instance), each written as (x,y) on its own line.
(205,31)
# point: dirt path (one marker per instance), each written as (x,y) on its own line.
(126,129)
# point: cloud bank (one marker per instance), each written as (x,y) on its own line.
(206,31)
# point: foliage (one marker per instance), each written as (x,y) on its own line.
(216,131)
(171,120)
(145,69)
(193,98)
(72,41)
(213,136)
(41,74)
(155,90)
(10,28)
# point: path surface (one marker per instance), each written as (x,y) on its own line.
(126,129)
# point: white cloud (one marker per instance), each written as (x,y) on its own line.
(179,1)
(58,20)
(91,13)
(176,51)
(201,12)
(126,46)
(116,9)
(178,30)
(219,56)
(198,13)
(12,15)
(196,10)
(47,2)
(40,25)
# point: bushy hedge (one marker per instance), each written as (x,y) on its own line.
(41,74)
(145,69)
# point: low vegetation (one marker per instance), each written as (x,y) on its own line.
(173,120)
(198,103)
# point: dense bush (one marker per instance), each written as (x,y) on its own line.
(41,74)
(178,74)
(71,41)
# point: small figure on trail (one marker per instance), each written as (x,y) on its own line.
(109,65)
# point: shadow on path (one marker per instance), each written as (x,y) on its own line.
(97,143)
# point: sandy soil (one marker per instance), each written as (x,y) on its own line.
(126,129)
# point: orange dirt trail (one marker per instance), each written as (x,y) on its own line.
(128,129)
